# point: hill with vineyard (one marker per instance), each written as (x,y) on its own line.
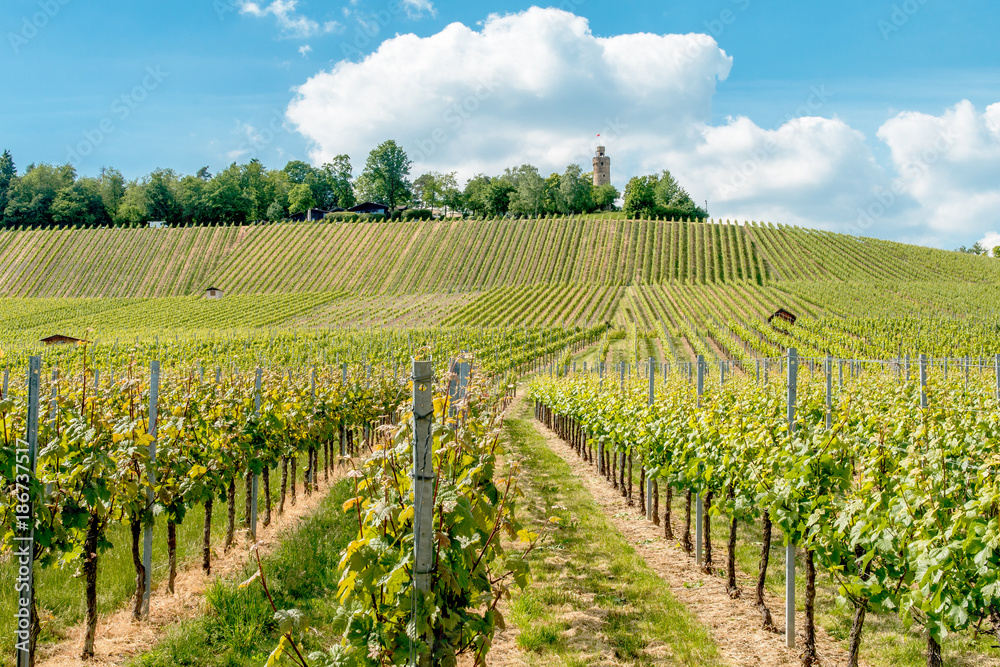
(697,288)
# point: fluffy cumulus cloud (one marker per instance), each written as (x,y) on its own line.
(949,165)
(811,171)
(291,22)
(537,86)
(530,87)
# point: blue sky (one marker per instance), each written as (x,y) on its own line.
(190,83)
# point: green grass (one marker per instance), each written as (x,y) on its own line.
(591,593)
(60,591)
(239,628)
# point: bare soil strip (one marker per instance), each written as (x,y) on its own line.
(120,639)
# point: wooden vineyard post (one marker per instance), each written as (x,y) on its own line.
(699,506)
(423,490)
(793,371)
(25,520)
(649,478)
(255,481)
(147,535)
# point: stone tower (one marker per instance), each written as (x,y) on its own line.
(602,167)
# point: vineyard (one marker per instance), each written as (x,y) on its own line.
(883,477)
(831,402)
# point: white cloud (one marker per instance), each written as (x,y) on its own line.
(812,171)
(529,87)
(950,166)
(417,8)
(289,20)
(305,50)
(536,86)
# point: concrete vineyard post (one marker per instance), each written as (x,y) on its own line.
(793,373)
(254,490)
(423,484)
(907,369)
(829,391)
(699,506)
(147,536)
(25,552)
(996,366)
(649,478)
(923,380)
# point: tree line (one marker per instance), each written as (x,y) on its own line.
(45,195)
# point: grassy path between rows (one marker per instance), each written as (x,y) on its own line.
(238,628)
(593,600)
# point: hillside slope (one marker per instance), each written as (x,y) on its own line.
(453,256)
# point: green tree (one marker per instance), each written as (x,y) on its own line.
(300,199)
(605,197)
(31,195)
(425,190)
(996,251)
(476,195)
(338,186)
(80,205)
(299,171)
(640,197)
(191,198)
(276,212)
(257,189)
(660,196)
(552,201)
(224,202)
(132,208)
(7,173)
(498,196)
(384,179)
(161,199)
(434,189)
(576,191)
(112,189)
(528,196)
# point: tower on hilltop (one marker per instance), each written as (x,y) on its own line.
(602,167)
